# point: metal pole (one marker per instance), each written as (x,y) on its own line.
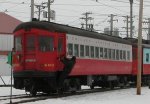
(39,12)
(86,20)
(49,15)
(148,36)
(131,17)
(11,81)
(139,48)
(32,9)
(111,24)
(127,26)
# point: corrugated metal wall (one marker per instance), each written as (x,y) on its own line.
(6,42)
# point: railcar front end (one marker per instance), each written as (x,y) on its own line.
(36,61)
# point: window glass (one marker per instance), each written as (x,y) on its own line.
(97,52)
(30,43)
(60,44)
(105,53)
(18,45)
(124,55)
(92,51)
(117,54)
(120,54)
(109,53)
(113,54)
(76,50)
(128,55)
(81,50)
(46,43)
(70,49)
(101,52)
(147,57)
(87,50)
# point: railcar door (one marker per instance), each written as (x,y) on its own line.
(30,52)
(46,55)
(61,45)
(61,49)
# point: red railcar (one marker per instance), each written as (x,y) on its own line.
(38,64)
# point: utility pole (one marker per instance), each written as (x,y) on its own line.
(131,18)
(49,9)
(148,35)
(87,18)
(147,22)
(40,8)
(111,23)
(32,9)
(139,48)
(127,25)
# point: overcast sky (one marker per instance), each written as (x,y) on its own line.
(70,11)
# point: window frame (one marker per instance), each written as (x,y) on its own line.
(82,50)
(45,49)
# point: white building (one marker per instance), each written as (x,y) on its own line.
(7,25)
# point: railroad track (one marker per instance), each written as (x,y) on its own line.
(18,99)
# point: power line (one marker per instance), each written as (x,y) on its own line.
(14,6)
(112,7)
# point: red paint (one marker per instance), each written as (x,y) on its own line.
(101,67)
(45,61)
(146,69)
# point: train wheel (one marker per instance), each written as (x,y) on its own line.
(33,90)
(111,85)
(92,86)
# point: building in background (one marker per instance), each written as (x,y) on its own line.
(7,25)
(114,33)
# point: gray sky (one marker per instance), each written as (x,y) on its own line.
(70,11)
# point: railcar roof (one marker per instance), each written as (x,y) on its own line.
(54,27)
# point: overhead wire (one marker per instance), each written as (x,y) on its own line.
(112,7)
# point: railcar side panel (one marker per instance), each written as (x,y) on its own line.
(135,61)
(101,67)
(146,61)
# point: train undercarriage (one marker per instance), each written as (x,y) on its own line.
(73,83)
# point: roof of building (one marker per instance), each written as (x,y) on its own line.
(8,23)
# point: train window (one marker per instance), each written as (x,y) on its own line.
(60,44)
(101,52)
(92,51)
(109,53)
(18,45)
(113,54)
(30,43)
(46,43)
(147,57)
(128,55)
(76,50)
(97,52)
(87,51)
(124,55)
(105,53)
(120,54)
(117,54)
(70,49)
(81,50)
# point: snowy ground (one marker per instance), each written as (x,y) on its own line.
(124,96)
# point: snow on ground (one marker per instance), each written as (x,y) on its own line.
(6,79)
(121,96)
(5,69)
(125,96)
